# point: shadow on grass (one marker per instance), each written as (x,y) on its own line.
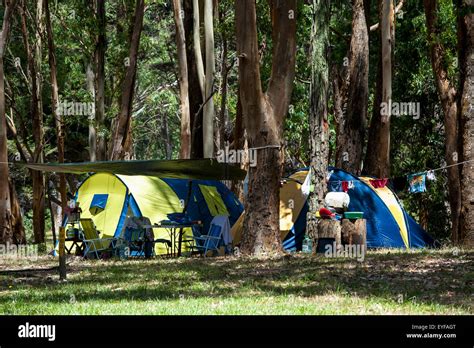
(437,278)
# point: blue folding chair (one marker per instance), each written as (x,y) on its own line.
(209,242)
(136,241)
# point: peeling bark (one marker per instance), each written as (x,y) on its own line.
(264,114)
(377,163)
(99,61)
(121,141)
(351,114)
(195,96)
(318,119)
(209,111)
(466,115)
(448,97)
(58,119)
(34,71)
(6,228)
(185,151)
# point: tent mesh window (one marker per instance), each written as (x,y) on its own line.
(98,204)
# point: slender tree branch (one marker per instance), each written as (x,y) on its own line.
(397,9)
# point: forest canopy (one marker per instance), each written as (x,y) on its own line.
(383,90)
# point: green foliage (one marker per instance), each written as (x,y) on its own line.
(418,144)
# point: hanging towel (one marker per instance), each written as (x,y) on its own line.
(345,186)
(417,183)
(223,222)
(378,183)
(431,176)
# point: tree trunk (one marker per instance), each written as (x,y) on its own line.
(55,210)
(6,228)
(354,232)
(99,58)
(59,122)
(318,118)
(371,162)
(165,135)
(121,140)
(223,114)
(209,113)
(205,77)
(90,77)
(195,94)
(466,115)
(378,161)
(34,67)
(25,152)
(264,115)
(238,144)
(197,49)
(185,151)
(387,31)
(34,63)
(424,213)
(354,91)
(18,230)
(448,95)
(329,229)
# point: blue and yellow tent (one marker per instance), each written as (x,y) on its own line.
(388,224)
(108,199)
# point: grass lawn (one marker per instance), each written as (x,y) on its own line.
(387,282)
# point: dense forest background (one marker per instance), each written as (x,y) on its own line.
(84,32)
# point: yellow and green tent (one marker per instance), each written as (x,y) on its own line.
(108,199)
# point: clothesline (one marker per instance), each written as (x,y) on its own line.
(441,168)
(416,181)
(417,173)
(265,147)
(423,172)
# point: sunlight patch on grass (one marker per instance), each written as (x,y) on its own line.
(388,282)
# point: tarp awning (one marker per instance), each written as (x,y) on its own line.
(178,169)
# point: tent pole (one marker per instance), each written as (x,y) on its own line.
(188,197)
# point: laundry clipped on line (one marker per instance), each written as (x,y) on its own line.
(341,186)
(417,182)
(430,175)
(414,183)
(378,183)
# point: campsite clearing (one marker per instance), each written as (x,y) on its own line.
(387,282)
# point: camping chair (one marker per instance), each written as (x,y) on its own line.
(210,241)
(136,241)
(92,242)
